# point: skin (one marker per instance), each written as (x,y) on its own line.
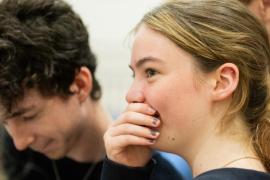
(189,105)
(58,127)
(261,9)
(155,62)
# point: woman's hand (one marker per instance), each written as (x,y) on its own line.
(129,138)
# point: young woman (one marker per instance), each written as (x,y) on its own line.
(200,90)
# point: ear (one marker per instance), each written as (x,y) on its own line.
(265,4)
(258,8)
(82,84)
(225,81)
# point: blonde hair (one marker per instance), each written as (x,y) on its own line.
(216,32)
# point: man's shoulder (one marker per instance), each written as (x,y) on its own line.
(233,174)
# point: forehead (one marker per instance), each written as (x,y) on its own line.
(31,100)
(30,96)
(150,43)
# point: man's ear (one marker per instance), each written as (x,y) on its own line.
(226,79)
(82,84)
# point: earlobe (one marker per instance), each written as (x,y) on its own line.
(227,77)
(82,84)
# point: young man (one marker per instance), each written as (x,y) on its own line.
(49,94)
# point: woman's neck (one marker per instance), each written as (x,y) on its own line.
(228,148)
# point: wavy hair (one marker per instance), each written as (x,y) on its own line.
(42,45)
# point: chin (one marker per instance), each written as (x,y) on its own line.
(164,145)
(158,146)
(55,155)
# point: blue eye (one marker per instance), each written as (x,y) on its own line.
(150,72)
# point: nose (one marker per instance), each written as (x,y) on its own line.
(135,94)
(20,135)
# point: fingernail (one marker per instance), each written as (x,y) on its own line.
(152,141)
(151,111)
(154,132)
(155,120)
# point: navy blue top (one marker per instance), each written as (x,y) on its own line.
(157,169)
(233,174)
(152,171)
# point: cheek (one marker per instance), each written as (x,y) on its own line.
(180,105)
(55,125)
(65,117)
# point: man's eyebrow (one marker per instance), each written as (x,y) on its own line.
(144,60)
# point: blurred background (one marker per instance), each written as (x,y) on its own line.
(109,24)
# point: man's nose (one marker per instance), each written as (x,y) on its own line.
(20,135)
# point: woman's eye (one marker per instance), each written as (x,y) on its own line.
(150,72)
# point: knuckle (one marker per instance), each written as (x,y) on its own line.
(126,117)
(127,139)
(128,129)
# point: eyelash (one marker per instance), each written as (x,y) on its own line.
(150,72)
(29,118)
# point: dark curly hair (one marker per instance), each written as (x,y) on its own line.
(42,45)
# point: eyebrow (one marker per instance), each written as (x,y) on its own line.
(144,60)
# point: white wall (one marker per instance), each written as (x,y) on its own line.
(109,23)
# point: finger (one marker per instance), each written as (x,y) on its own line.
(131,129)
(123,141)
(137,119)
(141,108)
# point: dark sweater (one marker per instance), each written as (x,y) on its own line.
(30,165)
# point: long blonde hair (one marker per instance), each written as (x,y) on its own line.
(216,32)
